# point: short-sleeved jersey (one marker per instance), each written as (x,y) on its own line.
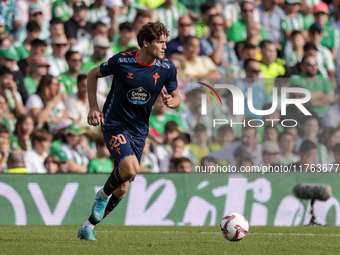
(134,89)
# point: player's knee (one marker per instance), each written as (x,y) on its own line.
(132,171)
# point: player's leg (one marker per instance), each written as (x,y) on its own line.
(117,195)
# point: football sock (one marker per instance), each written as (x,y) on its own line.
(113,182)
(113,202)
(89,224)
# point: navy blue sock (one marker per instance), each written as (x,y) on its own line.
(113,202)
(113,182)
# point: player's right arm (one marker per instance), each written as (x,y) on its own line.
(95,116)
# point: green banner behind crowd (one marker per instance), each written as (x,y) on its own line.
(164,199)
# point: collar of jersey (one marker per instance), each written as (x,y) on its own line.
(142,63)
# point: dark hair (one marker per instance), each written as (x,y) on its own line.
(178,138)
(248,62)
(309,46)
(98,24)
(283,134)
(281,80)
(100,142)
(311,117)
(265,43)
(55,21)
(213,16)
(33,26)
(225,129)
(295,33)
(126,26)
(188,38)
(307,145)
(206,7)
(5,70)
(200,127)
(41,135)
(18,131)
(244,2)
(180,160)
(209,158)
(151,31)
(43,89)
(38,43)
(248,46)
(3,129)
(69,54)
(143,14)
(81,77)
(305,57)
(171,126)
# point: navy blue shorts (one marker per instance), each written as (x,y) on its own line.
(121,144)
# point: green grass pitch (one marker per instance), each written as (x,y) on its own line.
(168,240)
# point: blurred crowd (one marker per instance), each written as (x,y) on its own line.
(48,47)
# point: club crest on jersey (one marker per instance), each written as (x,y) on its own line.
(138,96)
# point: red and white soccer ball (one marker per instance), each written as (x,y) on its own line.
(234,227)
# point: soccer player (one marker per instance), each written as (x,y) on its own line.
(138,79)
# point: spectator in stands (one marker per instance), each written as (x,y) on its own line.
(294,56)
(287,147)
(243,158)
(254,37)
(324,56)
(4,147)
(271,134)
(322,93)
(184,27)
(246,51)
(198,66)
(237,31)
(332,116)
(336,152)
(5,40)
(217,47)
(271,66)
(164,150)
(178,150)
(168,13)
(75,150)
(126,39)
(38,47)
(52,164)
(23,133)
(308,156)
(8,59)
(252,70)
(9,88)
(330,38)
(142,17)
(200,148)
(63,9)
(84,45)
(6,118)
(16,163)
(149,159)
(100,46)
(330,140)
(160,116)
(179,62)
(201,27)
(23,48)
(34,159)
(271,15)
(68,79)
(183,165)
(57,60)
(98,12)
(46,105)
(56,28)
(225,136)
(102,162)
(248,139)
(77,104)
(35,14)
(11,16)
(293,20)
(270,152)
(77,27)
(38,68)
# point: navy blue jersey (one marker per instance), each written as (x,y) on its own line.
(134,90)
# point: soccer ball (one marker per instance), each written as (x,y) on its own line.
(234,227)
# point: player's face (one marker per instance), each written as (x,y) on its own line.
(157,47)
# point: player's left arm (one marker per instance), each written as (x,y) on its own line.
(172,99)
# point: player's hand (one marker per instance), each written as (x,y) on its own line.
(95,117)
(168,100)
